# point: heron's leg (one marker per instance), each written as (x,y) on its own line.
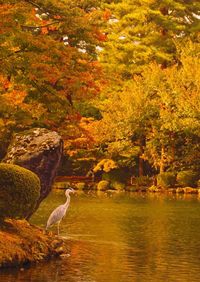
(58,228)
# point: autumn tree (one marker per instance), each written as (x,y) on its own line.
(48,53)
(48,49)
(156,115)
(141,55)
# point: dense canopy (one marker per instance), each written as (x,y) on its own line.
(117,79)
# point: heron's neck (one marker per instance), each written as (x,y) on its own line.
(67,201)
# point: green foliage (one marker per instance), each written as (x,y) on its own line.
(5,137)
(187,178)
(103,185)
(116,175)
(76,164)
(19,191)
(166,179)
(143,31)
(88,110)
(157,114)
(81,166)
(143,181)
(117,178)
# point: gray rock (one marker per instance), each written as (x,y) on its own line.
(39,150)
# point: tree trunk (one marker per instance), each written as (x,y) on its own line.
(141,166)
(141,160)
(162,159)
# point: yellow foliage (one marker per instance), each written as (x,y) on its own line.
(105,165)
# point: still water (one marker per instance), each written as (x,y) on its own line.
(121,237)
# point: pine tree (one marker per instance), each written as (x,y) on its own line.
(141,31)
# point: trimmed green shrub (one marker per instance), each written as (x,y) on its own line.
(187,178)
(19,191)
(103,185)
(166,179)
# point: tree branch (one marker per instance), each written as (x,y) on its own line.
(34,4)
(13,53)
(40,26)
(51,13)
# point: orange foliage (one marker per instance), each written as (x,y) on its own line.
(15,97)
(101,36)
(44,30)
(106,15)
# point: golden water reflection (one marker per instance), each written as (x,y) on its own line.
(122,237)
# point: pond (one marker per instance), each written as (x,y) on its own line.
(121,237)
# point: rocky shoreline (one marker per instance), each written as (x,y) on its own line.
(22,243)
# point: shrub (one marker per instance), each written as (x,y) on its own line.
(19,191)
(103,185)
(143,181)
(187,178)
(118,185)
(166,179)
(118,175)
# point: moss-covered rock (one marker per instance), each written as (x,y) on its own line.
(187,178)
(103,185)
(166,179)
(19,191)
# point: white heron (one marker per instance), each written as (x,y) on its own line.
(57,215)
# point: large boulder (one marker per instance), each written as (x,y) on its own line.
(19,191)
(39,150)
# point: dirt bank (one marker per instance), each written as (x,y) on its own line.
(22,243)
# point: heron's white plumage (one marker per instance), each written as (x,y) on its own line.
(57,215)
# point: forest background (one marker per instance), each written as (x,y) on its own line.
(118,80)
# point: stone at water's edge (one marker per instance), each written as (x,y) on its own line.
(22,243)
(39,150)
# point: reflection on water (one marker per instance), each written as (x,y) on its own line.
(121,237)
